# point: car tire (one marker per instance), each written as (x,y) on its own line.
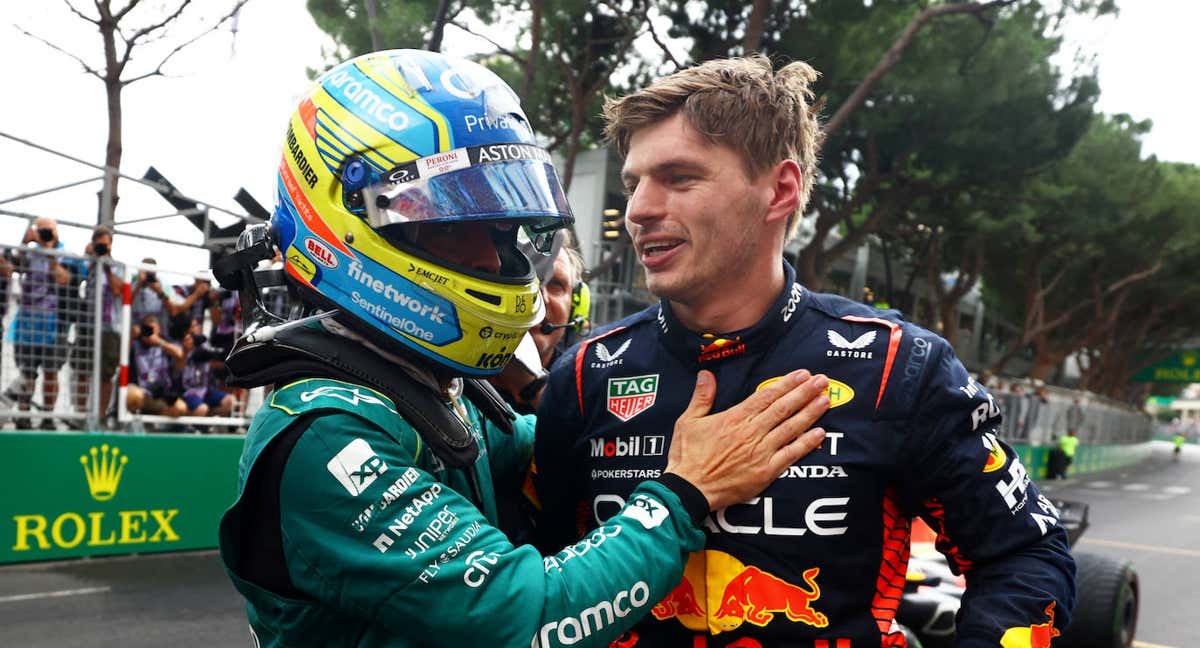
(1106,604)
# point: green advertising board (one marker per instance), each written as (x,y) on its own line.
(74,495)
(1180,368)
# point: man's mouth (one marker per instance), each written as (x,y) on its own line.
(658,248)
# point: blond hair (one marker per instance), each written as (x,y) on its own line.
(767,116)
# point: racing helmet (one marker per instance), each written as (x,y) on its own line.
(398,139)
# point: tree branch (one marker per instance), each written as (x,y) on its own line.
(86,68)
(499,48)
(658,41)
(892,57)
(94,21)
(157,71)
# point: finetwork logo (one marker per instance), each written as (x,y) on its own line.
(357,466)
(103,473)
(844,348)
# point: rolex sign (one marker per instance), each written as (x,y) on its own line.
(74,495)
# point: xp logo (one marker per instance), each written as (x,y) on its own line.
(357,466)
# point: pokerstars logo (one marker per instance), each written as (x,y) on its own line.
(632,446)
(628,397)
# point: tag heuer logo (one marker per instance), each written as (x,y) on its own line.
(357,466)
(628,397)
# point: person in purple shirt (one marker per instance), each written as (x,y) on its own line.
(104,285)
(36,330)
(200,393)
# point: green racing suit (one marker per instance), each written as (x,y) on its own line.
(348,530)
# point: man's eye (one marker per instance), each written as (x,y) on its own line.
(681,179)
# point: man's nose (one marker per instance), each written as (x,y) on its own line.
(479,250)
(647,203)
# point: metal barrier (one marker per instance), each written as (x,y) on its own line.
(1039,416)
(166,374)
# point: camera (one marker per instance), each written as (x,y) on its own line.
(151,277)
(45,234)
(146,331)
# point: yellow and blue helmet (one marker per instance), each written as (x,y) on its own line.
(396,138)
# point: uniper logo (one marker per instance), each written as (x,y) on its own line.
(572,630)
(357,90)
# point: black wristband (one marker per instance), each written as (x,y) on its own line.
(694,502)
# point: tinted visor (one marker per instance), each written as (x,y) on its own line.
(513,183)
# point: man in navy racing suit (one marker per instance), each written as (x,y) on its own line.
(719,160)
(367,503)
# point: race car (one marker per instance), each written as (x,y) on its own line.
(1106,606)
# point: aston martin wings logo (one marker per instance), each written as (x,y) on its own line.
(349,394)
(840,342)
(603,354)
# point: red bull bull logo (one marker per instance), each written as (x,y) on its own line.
(757,596)
(721,348)
(719,593)
(1038,635)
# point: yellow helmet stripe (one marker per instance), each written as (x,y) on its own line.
(390,79)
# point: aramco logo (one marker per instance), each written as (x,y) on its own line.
(103,474)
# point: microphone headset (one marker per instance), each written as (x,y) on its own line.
(581,306)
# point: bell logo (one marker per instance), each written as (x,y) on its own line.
(103,474)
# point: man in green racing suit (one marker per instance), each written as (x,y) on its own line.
(366,512)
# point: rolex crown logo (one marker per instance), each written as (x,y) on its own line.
(103,473)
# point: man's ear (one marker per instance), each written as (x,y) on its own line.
(785,190)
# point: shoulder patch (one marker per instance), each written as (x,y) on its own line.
(313,393)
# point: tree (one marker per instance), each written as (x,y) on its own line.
(1057,276)
(975,107)
(124,29)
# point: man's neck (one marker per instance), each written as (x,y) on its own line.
(721,311)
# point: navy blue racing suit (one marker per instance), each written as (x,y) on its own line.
(818,559)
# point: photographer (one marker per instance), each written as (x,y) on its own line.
(155,392)
(225,309)
(200,395)
(104,285)
(189,313)
(37,332)
(151,298)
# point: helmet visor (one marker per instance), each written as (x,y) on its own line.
(499,182)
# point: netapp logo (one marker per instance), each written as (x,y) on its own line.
(638,446)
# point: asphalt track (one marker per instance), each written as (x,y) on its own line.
(1147,514)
